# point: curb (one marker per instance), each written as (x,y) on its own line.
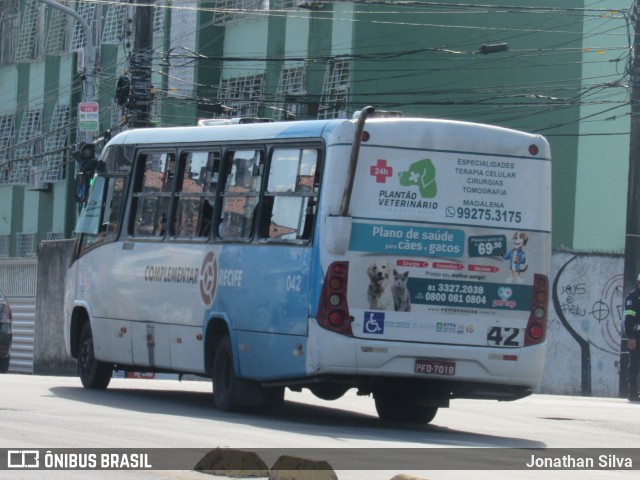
(225,462)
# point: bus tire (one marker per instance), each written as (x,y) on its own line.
(398,407)
(223,376)
(94,374)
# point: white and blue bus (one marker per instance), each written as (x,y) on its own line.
(406,258)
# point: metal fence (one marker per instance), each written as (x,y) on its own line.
(18,278)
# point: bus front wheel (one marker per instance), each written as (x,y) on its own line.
(94,374)
(398,407)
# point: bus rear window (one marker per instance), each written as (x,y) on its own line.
(290,200)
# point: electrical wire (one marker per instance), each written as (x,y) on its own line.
(509,96)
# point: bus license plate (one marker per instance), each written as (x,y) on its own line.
(435,367)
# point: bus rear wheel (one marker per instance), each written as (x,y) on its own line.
(94,374)
(231,393)
(223,376)
(399,407)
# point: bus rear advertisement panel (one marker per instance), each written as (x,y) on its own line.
(445,245)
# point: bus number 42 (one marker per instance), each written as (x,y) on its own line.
(503,336)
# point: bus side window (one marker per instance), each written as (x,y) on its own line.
(242,182)
(152,195)
(290,199)
(195,193)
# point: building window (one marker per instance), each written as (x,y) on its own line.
(87,11)
(8,30)
(31,31)
(55,236)
(181,69)
(227,11)
(278,5)
(57,32)
(29,145)
(26,245)
(159,15)
(52,166)
(243,96)
(7,132)
(114,30)
(290,99)
(4,246)
(116,118)
(335,91)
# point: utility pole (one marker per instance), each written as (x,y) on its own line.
(141,66)
(632,237)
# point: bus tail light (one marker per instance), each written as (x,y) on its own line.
(333,311)
(537,327)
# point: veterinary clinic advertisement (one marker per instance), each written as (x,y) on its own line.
(457,188)
(429,238)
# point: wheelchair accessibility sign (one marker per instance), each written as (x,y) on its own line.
(373,323)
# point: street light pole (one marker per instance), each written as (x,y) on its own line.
(89,54)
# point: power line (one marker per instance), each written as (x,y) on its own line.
(401,8)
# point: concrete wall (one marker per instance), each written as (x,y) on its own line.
(586,318)
(50,357)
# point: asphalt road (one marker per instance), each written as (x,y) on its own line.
(56,412)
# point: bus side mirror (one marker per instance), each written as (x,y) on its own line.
(83,181)
(337,234)
(85,155)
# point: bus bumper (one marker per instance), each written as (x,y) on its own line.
(329,353)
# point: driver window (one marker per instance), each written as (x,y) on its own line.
(99,222)
(112,210)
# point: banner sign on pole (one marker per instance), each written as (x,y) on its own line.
(88,113)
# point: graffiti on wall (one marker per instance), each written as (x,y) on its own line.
(587,296)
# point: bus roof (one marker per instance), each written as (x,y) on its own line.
(400,132)
(235,132)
